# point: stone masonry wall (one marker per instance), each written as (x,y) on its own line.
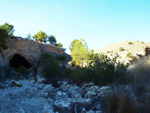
(29,49)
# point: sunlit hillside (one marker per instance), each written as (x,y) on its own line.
(128,46)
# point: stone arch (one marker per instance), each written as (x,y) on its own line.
(18,61)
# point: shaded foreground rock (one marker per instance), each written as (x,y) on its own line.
(36,97)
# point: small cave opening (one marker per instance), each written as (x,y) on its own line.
(19,61)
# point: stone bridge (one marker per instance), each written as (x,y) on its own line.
(27,52)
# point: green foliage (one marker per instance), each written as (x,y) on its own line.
(62,58)
(129,43)
(3,37)
(73,63)
(40,37)
(108,52)
(23,71)
(59,45)
(49,66)
(8,27)
(81,75)
(52,39)
(79,51)
(128,54)
(121,49)
(101,70)
(7,72)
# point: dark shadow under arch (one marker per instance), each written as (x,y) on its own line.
(19,61)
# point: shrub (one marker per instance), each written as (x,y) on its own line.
(7,72)
(81,75)
(108,52)
(73,63)
(3,37)
(119,57)
(121,49)
(128,54)
(49,66)
(129,43)
(23,71)
(61,57)
(102,70)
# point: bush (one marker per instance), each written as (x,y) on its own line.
(73,63)
(7,72)
(129,43)
(3,37)
(81,75)
(108,52)
(101,71)
(49,66)
(121,49)
(23,71)
(128,55)
(62,58)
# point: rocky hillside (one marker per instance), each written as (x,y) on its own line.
(125,49)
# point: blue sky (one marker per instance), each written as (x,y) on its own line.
(98,22)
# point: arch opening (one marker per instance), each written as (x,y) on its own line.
(19,61)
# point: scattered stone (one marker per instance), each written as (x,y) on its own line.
(48,88)
(99,112)
(91,111)
(67,86)
(48,109)
(16,83)
(59,93)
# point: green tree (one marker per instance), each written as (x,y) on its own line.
(79,51)
(8,27)
(3,37)
(59,45)
(72,44)
(52,39)
(29,36)
(40,37)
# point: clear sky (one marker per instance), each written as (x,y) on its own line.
(98,22)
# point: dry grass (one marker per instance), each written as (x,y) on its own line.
(121,103)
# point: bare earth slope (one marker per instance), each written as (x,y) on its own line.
(130,50)
(135,47)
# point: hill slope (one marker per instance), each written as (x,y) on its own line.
(135,47)
(128,47)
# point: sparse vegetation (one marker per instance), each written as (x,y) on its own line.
(3,37)
(108,52)
(101,71)
(49,66)
(130,43)
(132,94)
(61,57)
(128,55)
(23,71)
(121,49)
